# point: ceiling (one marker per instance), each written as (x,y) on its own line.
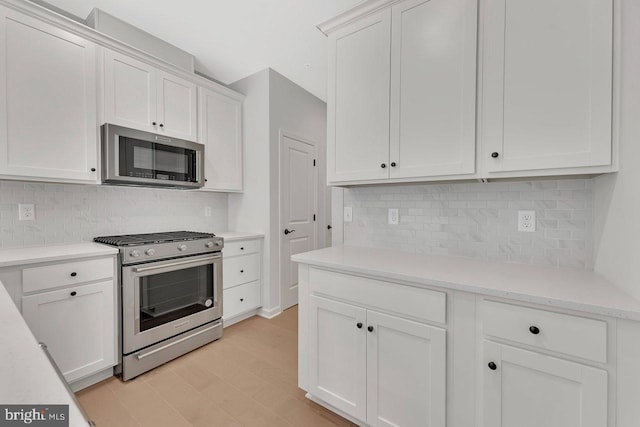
(233,39)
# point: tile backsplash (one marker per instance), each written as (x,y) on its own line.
(68,213)
(479,220)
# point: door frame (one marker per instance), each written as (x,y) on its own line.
(282,133)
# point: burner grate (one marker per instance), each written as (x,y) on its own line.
(148,238)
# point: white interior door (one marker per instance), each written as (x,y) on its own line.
(298,202)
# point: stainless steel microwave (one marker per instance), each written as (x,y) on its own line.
(134,157)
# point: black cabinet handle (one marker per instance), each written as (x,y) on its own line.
(534,330)
(492,366)
(73,274)
(93,169)
(370,328)
(393,164)
(383,165)
(495,154)
(73,294)
(359,325)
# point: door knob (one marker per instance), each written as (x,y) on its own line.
(492,366)
(495,154)
(287,231)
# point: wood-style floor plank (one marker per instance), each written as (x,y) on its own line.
(248,378)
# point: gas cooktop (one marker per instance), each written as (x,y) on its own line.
(149,238)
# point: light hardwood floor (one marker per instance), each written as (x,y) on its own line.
(248,378)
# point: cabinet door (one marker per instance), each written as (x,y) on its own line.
(529,389)
(406,372)
(48,108)
(129,92)
(78,326)
(547,84)
(358,100)
(220,121)
(176,106)
(338,351)
(433,88)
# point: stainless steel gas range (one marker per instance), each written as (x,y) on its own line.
(170,296)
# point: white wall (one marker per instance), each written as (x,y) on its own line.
(272,103)
(67,213)
(617,196)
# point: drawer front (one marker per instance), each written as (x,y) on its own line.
(69,273)
(241,247)
(572,335)
(241,299)
(239,270)
(405,301)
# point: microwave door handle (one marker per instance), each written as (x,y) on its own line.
(175,264)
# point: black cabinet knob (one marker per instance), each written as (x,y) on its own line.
(93,169)
(534,330)
(154,123)
(205,180)
(393,164)
(370,328)
(73,274)
(495,154)
(492,366)
(384,165)
(241,271)
(242,249)
(359,325)
(241,299)
(161,125)
(73,294)
(329,227)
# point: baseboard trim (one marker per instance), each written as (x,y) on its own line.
(91,379)
(269,314)
(321,402)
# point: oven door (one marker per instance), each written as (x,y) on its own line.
(165,298)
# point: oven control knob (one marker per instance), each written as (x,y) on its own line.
(135,253)
(182,247)
(209,244)
(150,252)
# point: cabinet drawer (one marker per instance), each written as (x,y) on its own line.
(241,299)
(241,269)
(241,248)
(572,335)
(69,273)
(406,301)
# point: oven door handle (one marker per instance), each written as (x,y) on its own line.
(141,356)
(175,264)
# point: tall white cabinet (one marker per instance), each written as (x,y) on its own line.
(547,93)
(48,108)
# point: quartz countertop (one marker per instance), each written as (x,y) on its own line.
(27,375)
(24,256)
(231,236)
(555,287)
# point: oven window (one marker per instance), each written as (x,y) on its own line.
(170,296)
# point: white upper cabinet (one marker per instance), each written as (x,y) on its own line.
(433,88)
(48,108)
(547,93)
(220,124)
(139,96)
(402,93)
(358,100)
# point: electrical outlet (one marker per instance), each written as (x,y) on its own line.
(207,211)
(26,212)
(348,214)
(393,216)
(527,221)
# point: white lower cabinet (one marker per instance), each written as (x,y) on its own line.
(77,324)
(242,279)
(527,389)
(375,367)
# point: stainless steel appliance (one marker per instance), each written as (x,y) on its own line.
(133,157)
(170,296)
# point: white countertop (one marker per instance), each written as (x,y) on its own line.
(230,236)
(23,256)
(27,375)
(557,287)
